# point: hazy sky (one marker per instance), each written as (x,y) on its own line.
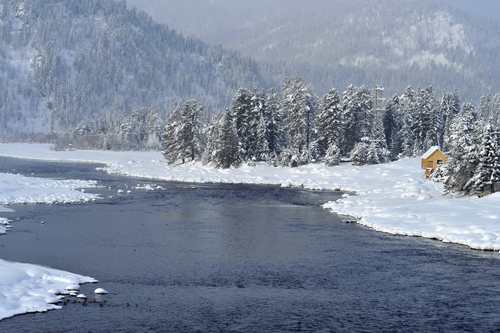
(487,8)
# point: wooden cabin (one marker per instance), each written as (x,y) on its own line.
(433,158)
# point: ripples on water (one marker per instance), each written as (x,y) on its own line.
(241,258)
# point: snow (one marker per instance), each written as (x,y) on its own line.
(393,197)
(100,291)
(17,189)
(430,152)
(29,288)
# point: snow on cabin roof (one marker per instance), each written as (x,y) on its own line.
(430,152)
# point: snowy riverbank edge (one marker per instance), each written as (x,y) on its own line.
(392,198)
(28,288)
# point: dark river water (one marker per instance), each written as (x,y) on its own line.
(240,258)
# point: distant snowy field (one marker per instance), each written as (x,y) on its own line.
(391,198)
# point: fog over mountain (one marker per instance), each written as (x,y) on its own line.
(335,43)
(486,8)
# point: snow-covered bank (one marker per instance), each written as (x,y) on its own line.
(30,288)
(391,197)
(16,189)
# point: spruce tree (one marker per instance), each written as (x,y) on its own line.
(488,169)
(212,135)
(228,153)
(462,151)
(350,117)
(359,153)
(392,125)
(241,114)
(406,132)
(276,139)
(182,138)
(329,126)
(170,139)
(372,155)
(357,116)
(450,107)
(298,109)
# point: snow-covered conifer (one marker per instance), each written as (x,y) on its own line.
(488,169)
(357,116)
(276,139)
(406,132)
(182,138)
(450,107)
(298,109)
(329,125)
(462,150)
(392,125)
(211,133)
(372,155)
(241,112)
(227,155)
(359,153)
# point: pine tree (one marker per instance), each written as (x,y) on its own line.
(450,107)
(240,112)
(357,116)
(228,153)
(298,109)
(329,126)
(182,138)
(359,153)
(462,151)
(212,134)
(488,169)
(257,128)
(372,155)
(406,133)
(276,139)
(170,141)
(433,120)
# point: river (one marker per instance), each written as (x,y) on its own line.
(239,258)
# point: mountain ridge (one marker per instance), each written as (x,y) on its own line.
(62,62)
(335,43)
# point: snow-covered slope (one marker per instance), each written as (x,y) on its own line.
(62,62)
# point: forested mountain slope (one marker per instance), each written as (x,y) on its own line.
(64,61)
(334,43)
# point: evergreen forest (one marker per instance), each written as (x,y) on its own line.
(93,74)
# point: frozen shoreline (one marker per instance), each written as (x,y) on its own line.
(28,288)
(392,198)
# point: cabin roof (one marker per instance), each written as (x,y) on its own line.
(430,152)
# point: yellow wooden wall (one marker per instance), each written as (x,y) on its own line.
(431,163)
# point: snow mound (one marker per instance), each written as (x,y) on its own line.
(100,291)
(29,288)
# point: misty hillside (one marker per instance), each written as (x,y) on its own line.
(334,43)
(65,61)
